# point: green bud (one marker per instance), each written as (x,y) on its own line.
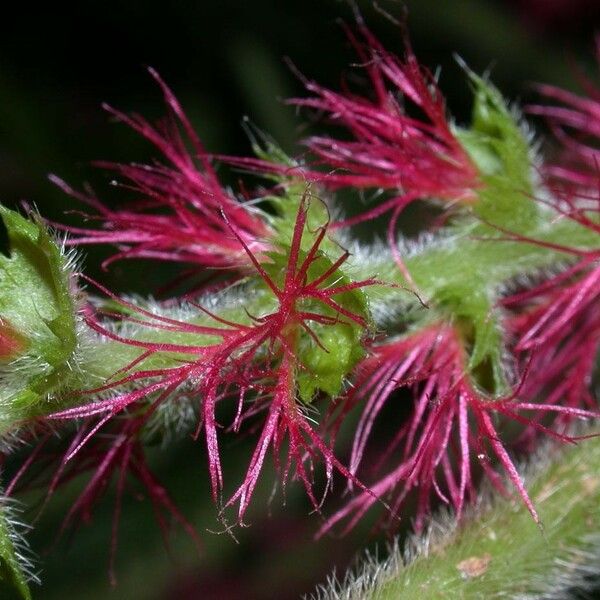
(37,300)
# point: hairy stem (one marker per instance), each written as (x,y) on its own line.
(498,551)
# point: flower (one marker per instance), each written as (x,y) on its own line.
(390,149)
(262,357)
(451,423)
(177,216)
(555,325)
(118,453)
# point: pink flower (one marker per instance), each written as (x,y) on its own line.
(410,157)
(555,326)
(259,358)
(558,341)
(177,216)
(117,454)
(452,423)
(389,149)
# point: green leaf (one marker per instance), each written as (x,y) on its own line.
(499,133)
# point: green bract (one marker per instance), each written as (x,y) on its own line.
(36,297)
(324,364)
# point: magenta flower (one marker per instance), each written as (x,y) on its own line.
(117,454)
(390,149)
(177,216)
(556,331)
(260,357)
(451,424)
(559,342)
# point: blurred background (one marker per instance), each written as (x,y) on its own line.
(223,60)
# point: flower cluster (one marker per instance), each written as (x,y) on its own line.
(479,337)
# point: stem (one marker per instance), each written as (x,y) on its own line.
(498,551)
(476,257)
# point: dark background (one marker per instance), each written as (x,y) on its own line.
(224,60)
